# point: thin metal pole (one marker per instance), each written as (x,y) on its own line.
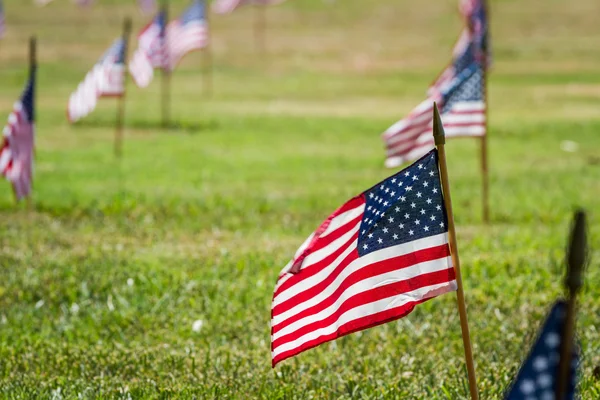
(120,122)
(576,260)
(440,140)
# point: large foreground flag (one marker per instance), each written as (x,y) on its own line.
(151,52)
(538,376)
(228,6)
(463,114)
(106,79)
(16,154)
(187,33)
(372,261)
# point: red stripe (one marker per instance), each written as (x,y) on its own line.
(379,268)
(351,327)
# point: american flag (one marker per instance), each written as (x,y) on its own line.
(104,80)
(539,373)
(2,23)
(16,154)
(462,110)
(147,6)
(151,52)
(372,261)
(186,33)
(472,44)
(228,6)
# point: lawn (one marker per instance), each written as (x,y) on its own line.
(102,282)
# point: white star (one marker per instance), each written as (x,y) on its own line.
(411,232)
(394,180)
(381,187)
(375,225)
(413,205)
(371,195)
(540,363)
(527,386)
(363,231)
(391,219)
(544,380)
(438,207)
(441,224)
(385,230)
(425,184)
(414,178)
(369,208)
(401,226)
(431,173)
(426,229)
(433,217)
(379,241)
(382,215)
(408,188)
(400,183)
(385,203)
(422,212)
(370,235)
(387,190)
(370,222)
(417,222)
(380,200)
(420,166)
(377,213)
(548,395)
(407,173)
(402,199)
(397,209)
(419,194)
(428,201)
(393,194)
(552,339)
(376,198)
(406,216)
(395,237)
(435,190)
(365,246)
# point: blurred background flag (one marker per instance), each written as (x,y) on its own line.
(16,154)
(106,79)
(2,20)
(151,52)
(227,6)
(187,33)
(463,113)
(538,375)
(84,3)
(372,261)
(147,6)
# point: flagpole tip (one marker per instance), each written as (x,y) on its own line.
(439,135)
(577,252)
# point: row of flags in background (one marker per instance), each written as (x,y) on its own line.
(160,45)
(459,90)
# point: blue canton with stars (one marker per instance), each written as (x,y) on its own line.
(405,207)
(467,86)
(538,376)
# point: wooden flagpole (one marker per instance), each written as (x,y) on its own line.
(166,70)
(440,140)
(32,71)
(120,122)
(208,58)
(576,260)
(484,143)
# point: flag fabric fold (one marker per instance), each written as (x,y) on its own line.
(372,261)
(151,52)
(187,33)
(106,79)
(16,154)
(539,373)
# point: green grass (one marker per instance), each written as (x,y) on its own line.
(100,284)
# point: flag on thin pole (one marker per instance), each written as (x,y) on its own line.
(16,154)
(106,79)
(187,33)
(151,52)
(463,113)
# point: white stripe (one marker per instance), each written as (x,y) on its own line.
(452,118)
(465,131)
(468,106)
(357,288)
(5,158)
(343,219)
(369,309)
(376,256)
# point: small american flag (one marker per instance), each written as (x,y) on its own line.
(372,261)
(151,52)
(186,33)
(16,154)
(2,22)
(147,6)
(462,110)
(106,79)
(539,373)
(228,6)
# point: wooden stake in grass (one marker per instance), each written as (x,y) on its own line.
(166,68)
(576,260)
(440,140)
(120,122)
